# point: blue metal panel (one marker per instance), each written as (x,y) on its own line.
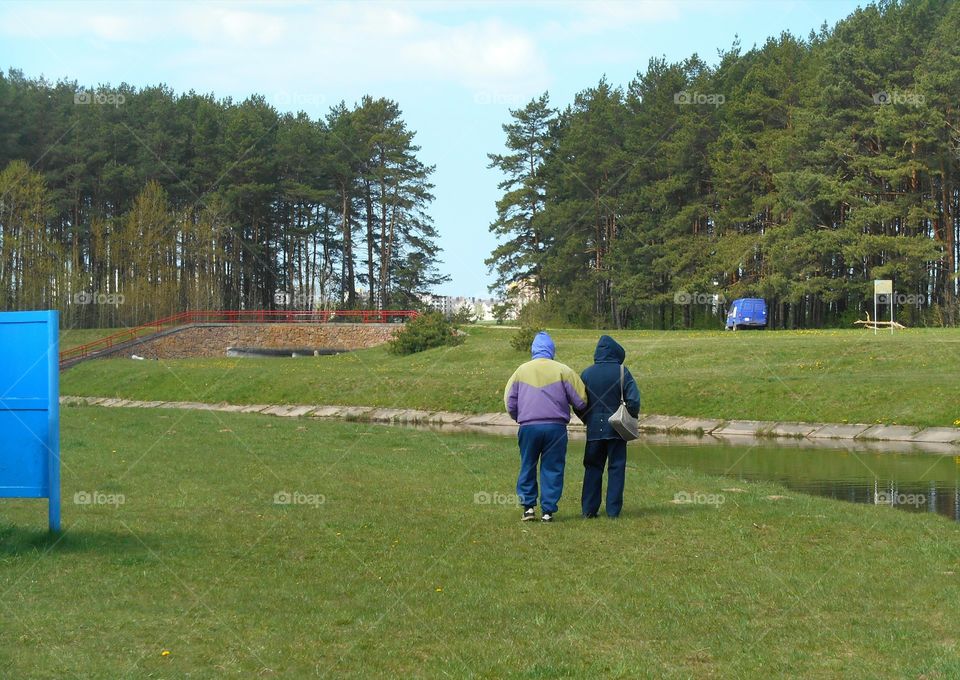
(30,409)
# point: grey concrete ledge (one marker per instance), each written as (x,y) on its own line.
(936,439)
(743,428)
(700,425)
(835,431)
(661,423)
(890,433)
(797,430)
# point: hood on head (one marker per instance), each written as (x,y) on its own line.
(543,347)
(608,350)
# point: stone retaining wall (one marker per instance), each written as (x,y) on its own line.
(212,340)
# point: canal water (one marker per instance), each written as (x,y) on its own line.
(914,481)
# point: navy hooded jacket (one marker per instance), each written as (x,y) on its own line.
(602,381)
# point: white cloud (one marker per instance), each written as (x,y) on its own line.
(331,43)
(478,55)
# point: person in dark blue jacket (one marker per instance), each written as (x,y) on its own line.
(604,446)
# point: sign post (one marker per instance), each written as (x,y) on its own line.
(882,293)
(30,408)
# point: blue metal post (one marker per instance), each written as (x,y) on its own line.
(53,419)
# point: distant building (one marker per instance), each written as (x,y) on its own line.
(440,303)
(521,293)
(448,305)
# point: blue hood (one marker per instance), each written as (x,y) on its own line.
(608,351)
(543,347)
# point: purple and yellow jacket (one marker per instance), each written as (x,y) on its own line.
(543,390)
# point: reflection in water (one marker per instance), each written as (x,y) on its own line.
(917,482)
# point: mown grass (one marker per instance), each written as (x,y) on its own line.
(399,572)
(812,376)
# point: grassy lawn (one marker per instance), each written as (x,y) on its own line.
(391,568)
(833,376)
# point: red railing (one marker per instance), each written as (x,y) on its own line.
(251,316)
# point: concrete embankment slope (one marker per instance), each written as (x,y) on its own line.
(944,440)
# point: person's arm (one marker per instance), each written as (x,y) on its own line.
(631,393)
(575,391)
(582,414)
(510,395)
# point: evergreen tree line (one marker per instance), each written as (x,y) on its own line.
(798,171)
(121,205)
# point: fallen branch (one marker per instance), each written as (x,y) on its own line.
(868,323)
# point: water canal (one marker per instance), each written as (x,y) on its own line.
(912,481)
(908,477)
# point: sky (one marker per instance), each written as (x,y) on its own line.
(455,68)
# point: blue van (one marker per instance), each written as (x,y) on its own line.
(747,313)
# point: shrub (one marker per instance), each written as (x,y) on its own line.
(523,338)
(464,315)
(427,331)
(501,312)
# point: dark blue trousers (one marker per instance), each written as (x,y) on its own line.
(611,453)
(546,444)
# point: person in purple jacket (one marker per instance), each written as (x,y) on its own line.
(538,396)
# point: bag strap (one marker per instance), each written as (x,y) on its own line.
(621,384)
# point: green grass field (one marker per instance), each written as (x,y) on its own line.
(813,376)
(391,568)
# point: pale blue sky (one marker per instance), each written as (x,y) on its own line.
(454,67)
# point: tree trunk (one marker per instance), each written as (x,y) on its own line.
(347,284)
(370,278)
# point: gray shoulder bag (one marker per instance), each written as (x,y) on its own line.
(621,421)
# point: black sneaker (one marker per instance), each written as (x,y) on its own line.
(528,514)
(547,517)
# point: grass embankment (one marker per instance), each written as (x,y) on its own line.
(75,337)
(812,376)
(400,572)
